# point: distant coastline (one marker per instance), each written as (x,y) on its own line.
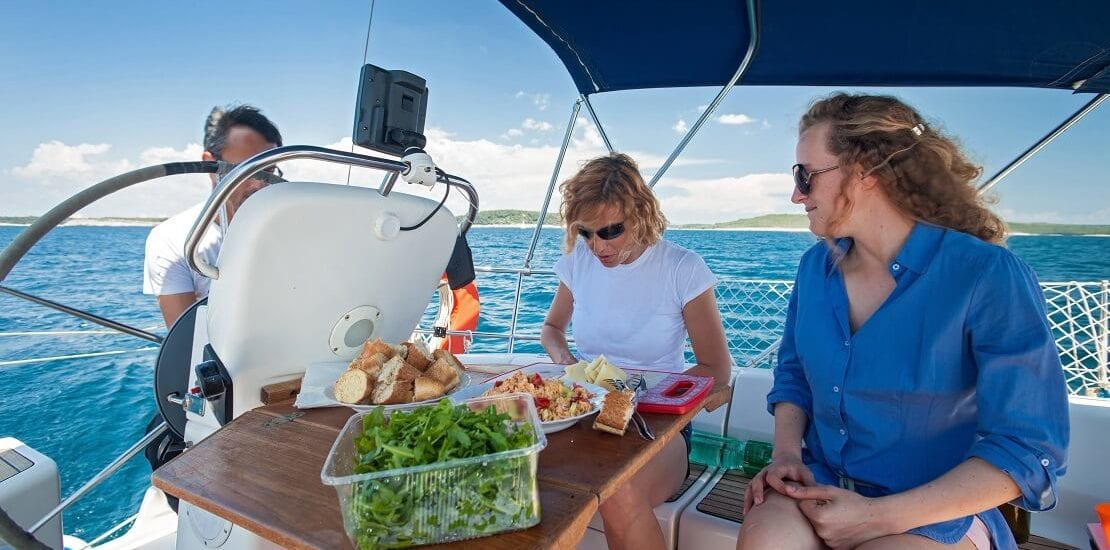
(528,218)
(107,222)
(770,222)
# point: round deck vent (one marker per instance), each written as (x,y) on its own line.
(352,329)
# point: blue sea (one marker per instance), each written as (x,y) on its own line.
(84,412)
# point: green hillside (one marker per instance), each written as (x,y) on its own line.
(777,221)
(1058,229)
(21,220)
(799,221)
(514,217)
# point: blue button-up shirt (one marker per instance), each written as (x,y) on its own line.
(959,361)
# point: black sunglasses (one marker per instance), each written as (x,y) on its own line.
(606,233)
(802,177)
(270,174)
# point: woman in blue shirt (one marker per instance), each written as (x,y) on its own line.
(916,364)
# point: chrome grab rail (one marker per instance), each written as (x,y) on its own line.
(241,173)
(107,471)
(753,45)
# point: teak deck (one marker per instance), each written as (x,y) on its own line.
(262,471)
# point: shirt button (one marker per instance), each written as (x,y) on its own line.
(843,431)
(895,267)
(836,389)
(1044,462)
(847,343)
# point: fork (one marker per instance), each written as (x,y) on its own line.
(641,424)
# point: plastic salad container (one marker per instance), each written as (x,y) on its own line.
(440,502)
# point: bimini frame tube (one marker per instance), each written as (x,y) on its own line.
(543,214)
(597,122)
(1063,127)
(753,45)
(248,168)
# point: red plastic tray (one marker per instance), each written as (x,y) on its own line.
(675,394)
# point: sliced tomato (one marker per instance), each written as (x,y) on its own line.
(542,402)
(536,380)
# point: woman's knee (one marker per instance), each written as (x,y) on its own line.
(777,523)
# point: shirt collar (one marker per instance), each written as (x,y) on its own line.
(920,247)
(916,253)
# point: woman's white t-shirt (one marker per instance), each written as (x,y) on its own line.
(632,313)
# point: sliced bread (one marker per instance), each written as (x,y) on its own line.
(392,393)
(426,387)
(353,387)
(445,373)
(370,347)
(417,355)
(616,411)
(371,365)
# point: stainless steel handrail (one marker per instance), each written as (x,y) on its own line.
(513,270)
(102,321)
(1044,141)
(265,159)
(107,471)
(753,45)
(543,214)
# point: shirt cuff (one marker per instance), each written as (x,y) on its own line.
(1034,475)
(783,395)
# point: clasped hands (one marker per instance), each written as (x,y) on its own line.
(841,518)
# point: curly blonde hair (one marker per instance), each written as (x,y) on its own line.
(922,172)
(612,180)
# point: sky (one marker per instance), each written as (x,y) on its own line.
(89,90)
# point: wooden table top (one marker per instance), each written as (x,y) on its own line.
(262,471)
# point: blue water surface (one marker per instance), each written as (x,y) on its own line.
(84,412)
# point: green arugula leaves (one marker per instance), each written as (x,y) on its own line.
(472,498)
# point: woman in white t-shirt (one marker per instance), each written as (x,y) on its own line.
(633,297)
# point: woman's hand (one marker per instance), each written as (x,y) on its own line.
(566,358)
(784,472)
(841,518)
(553,335)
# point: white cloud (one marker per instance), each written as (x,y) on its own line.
(530,125)
(541,100)
(725,199)
(735,119)
(56,171)
(538,125)
(702,108)
(506,176)
(680,126)
(58,159)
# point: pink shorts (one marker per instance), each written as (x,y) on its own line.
(979,535)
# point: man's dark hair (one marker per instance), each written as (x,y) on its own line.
(222,119)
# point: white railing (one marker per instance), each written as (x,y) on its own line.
(1078,313)
(753,312)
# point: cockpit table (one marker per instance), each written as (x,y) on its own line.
(262,471)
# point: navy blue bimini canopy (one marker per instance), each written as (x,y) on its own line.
(610,45)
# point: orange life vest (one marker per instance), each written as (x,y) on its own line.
(464,316)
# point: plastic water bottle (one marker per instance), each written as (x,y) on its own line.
(757,455)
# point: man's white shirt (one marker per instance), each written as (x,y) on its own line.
(165,270)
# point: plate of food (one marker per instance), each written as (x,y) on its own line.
(560,404)
(386,374)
